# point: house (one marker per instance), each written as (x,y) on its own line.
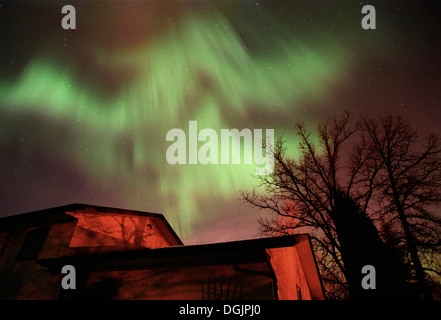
(126,254)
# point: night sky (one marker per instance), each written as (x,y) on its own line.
(84,113)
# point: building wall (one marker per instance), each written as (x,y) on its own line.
(124,231)
(287,271)
(25,279)
(309,267)
(189,283)
(291,280)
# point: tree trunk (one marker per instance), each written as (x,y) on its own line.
(411,247)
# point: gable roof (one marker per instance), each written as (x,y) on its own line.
(61,214)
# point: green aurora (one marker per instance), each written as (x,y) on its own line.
(166,92)
(203,67)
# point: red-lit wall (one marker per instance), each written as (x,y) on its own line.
(291,281)
(122,231)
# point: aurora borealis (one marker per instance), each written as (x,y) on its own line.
(84,113)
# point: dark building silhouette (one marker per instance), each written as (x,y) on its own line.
(126,254)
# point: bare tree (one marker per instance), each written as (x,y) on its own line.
(408,189)
(356,178)
(301,194)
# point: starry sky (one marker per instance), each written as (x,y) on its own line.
(84,113)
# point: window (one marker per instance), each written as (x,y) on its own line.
(32,244)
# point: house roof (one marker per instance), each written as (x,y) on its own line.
(204,254)
(60,214)
(37,218)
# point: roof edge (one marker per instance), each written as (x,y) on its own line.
(73,207)
(249,245)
